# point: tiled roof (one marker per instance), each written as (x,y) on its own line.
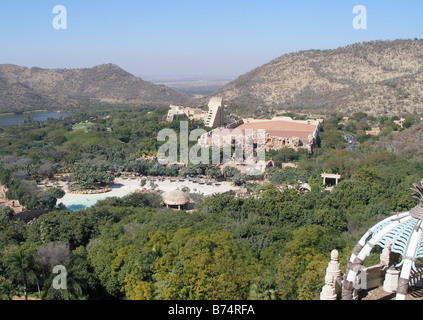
(281,129)
(279,126)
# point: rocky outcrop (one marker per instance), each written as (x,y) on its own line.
(91,191)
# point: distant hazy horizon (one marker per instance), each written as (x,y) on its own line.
(191,84)
(181,77)
(207,38)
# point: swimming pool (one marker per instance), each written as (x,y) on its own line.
(74,202)
(124,187)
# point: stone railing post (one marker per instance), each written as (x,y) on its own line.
(332,287)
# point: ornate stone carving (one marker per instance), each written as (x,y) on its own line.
(333,278)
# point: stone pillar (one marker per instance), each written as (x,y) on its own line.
(390,283)
(332,288)
(328,291)
(334,267)
(391,280)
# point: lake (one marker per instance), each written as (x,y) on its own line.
(17,119)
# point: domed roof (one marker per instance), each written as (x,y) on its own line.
(176,198)
(402,233)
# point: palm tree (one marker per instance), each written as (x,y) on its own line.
(74,287)
(8,290)
(21,269)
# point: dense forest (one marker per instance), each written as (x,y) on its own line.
(273,244)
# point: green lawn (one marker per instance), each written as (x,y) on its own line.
(85,127)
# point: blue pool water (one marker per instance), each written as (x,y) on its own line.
(76,207)
(75,202)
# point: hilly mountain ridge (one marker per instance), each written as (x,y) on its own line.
(36,88)
(379,78)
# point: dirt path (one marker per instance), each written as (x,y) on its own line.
(23,298)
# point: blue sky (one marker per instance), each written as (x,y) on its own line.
(192,37)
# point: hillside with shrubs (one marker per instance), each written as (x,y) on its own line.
(378,77)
